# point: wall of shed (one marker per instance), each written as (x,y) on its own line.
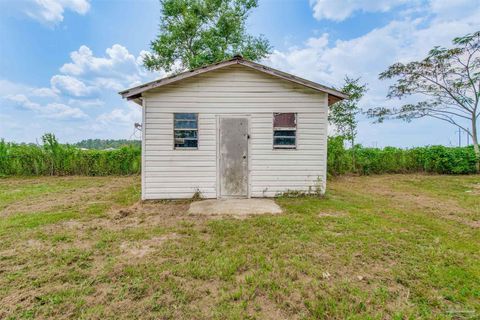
(170,174)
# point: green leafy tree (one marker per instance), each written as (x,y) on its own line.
(449,79)
(54,150)
(343,114)
(195,33)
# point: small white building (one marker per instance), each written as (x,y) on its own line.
(234,129)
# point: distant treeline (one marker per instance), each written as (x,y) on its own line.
(53,158)
(101,144)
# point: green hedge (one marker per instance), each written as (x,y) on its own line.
(431,159)
(56,159)
(67,160)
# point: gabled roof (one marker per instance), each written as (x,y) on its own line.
(136,92)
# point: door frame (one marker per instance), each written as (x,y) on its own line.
(217,137)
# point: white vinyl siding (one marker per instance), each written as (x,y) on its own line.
(234,90)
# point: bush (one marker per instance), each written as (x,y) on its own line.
(431,159)
(56,159)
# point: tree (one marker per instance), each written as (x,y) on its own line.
(449,79)
(343,115)
(194,33)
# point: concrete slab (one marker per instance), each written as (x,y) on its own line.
(235,207)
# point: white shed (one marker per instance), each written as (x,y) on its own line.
(234,129)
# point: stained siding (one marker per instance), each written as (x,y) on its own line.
(237,89)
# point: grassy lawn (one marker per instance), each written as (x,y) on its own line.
(379,247)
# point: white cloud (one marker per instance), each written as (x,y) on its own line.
(62,111)
(50,110)
(52,11)
(8,88)
(86,103)
(127,116)
(117,70)
(142,56)
(109,83)
(454,9)
(118,63)
(80,58)
(339,10)
(24,102)
(44,92)
(70,85)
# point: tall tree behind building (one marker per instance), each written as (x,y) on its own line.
(194,33)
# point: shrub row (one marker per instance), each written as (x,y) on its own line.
(56,159)
(431,159)
(67,160)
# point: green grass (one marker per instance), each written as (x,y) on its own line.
(19,222)
(380,247)
(18,189)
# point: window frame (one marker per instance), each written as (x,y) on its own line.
(294,129)
(185,129)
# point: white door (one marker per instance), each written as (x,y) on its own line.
(233,152)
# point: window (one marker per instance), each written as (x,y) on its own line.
(284,130)
(185,128)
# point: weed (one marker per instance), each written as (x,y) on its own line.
(197,195)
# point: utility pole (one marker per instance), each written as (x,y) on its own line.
(459,137)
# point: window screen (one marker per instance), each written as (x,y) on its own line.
(185,129)
(284,130)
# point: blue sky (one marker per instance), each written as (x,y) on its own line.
(63,61)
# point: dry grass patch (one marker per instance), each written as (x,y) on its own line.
(139,249)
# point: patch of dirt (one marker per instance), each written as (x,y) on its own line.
(72,225)
(34,244)
(100,295)
(31,245)
(332,214)
(475,189)
(139,249)
(242,276)
(122,213)
(474,224)
(164,213)
(266,309)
